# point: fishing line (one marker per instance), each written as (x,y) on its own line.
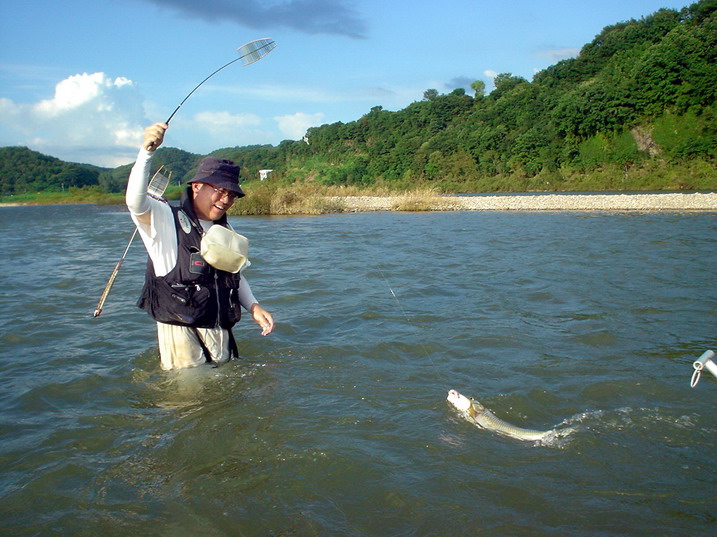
(405,315)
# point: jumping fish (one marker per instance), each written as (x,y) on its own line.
(474,412)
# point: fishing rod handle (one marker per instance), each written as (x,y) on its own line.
(106,292)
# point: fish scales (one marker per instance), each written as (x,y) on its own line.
(490,421)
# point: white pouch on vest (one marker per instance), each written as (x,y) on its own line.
(223,249)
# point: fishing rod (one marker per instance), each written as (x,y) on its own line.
(250,52)
(155,188)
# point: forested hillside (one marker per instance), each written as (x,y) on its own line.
(642,93)
(635,110)
(23,170)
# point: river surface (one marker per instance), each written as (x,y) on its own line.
(337,424)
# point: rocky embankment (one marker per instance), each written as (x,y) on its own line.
(534,202)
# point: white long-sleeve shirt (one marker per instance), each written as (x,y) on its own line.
(160,236)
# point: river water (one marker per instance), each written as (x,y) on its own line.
(337,424)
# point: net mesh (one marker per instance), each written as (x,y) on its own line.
(255,50)
(158,184)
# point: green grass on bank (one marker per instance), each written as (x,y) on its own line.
(86,195)
(92,195)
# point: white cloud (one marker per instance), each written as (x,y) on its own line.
(89,114)
(294,126)
(490,73)
(225,122)
(559,53)
(280,93)
(209,131)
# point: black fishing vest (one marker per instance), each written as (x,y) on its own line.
(193,293)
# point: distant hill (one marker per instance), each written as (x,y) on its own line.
(635,110)
(179,163)
(23,170)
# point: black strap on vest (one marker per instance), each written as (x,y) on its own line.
(205,351)
(233,349)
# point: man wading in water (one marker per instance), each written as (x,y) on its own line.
(195,305)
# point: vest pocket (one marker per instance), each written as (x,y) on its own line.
(189,305)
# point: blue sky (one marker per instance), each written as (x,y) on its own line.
(79,80)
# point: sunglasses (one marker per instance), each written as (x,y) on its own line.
(223,193)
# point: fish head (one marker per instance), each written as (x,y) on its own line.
(471,407)
(461,402)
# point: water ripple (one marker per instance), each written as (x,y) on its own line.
(337,424)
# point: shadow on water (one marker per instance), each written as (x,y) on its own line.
(337,424)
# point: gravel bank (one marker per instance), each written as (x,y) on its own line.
(536,202)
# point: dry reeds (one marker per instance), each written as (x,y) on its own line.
(313,199)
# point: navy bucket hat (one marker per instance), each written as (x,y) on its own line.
(218,172)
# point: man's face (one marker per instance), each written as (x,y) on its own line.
(210,203)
